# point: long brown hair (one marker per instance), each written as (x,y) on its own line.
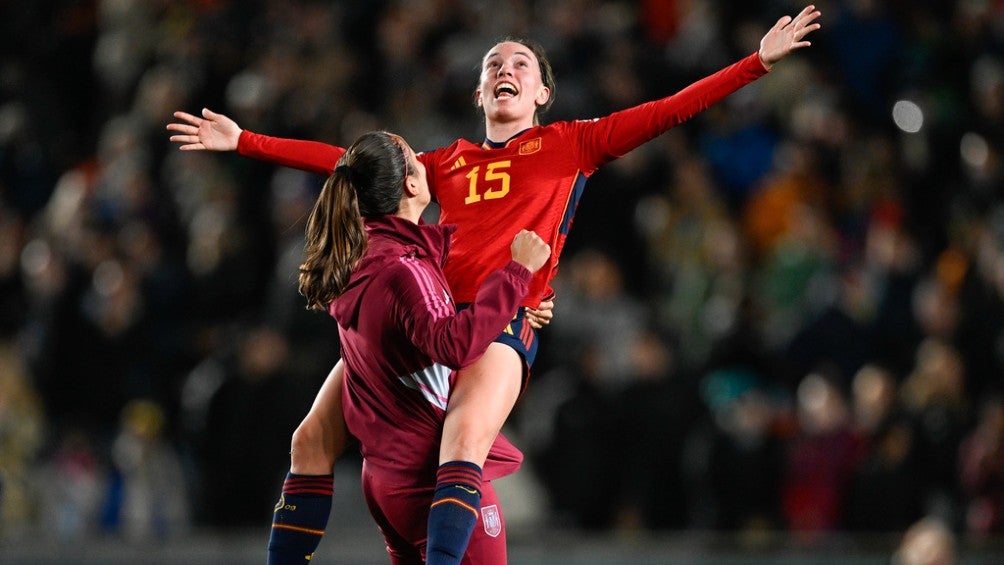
(368,181)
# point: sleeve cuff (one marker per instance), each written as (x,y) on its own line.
(518,271)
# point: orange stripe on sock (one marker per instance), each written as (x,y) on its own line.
(298,529)
(458,502)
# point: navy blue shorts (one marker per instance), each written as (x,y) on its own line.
(519,335)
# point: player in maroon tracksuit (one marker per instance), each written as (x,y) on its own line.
(523,174)
(378,271)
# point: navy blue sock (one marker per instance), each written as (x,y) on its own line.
(300,518)
(454,512)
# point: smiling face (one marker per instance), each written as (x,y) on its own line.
(511,87)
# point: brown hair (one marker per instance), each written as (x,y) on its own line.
(368,181)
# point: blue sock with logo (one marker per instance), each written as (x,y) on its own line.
(300,518)
(454,512)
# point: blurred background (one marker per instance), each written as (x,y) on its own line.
(779,328)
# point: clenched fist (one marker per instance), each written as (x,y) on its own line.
(529,250)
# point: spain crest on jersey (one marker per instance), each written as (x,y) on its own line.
(492,520)
(531,146)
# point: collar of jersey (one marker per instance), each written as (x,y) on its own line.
(489,144)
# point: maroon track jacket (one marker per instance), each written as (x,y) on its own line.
(402,341)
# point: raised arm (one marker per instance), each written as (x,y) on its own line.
(614,135)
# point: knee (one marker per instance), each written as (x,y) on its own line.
(467,439)
(307,453)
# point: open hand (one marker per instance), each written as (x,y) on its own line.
(213,132)
(788,35)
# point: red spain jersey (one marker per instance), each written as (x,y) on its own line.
(533,181)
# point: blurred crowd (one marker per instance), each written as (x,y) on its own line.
(786,315)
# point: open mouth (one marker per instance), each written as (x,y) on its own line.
(505,90)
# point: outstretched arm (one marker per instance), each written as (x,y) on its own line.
(216,132)
(787,35)
(212,132)
(599,141)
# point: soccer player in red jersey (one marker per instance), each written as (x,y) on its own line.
(523,174)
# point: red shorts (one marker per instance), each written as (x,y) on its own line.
(402,513)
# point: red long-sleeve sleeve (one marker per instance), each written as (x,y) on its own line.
(612,136)
(312,156)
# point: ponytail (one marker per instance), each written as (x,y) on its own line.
(368,182)
(336,240)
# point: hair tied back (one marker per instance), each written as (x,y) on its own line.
(347,172)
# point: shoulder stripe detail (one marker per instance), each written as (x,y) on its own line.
(430,292)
